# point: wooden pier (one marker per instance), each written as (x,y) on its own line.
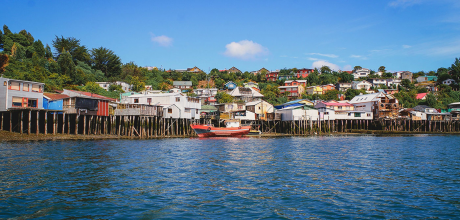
(32,121)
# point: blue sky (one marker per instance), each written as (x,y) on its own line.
(401,35)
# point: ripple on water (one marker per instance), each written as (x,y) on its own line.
(312,177)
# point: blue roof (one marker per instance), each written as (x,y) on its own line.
(288,105)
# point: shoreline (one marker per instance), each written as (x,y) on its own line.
(12,136)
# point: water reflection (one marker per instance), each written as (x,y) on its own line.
(314,177)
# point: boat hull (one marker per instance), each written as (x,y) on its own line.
(210,131)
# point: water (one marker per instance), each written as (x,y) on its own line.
(315,177)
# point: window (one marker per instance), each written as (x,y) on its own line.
(17,102)
(136,100)
(4,83)
(368,114)
(32,103)
(14,85)
(357,115)
(170,110)
(36,88)
(339,107)
(187,110)
(25,87)
(149,100)
(196,111)
(259,107)
(178,99)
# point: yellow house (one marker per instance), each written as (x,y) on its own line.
(314,90)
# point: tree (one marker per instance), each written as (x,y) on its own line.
(356,68)
(351,93)
(137,84)
(313,78)
(6,30)
(106,60)
(72,45)
(325,69)
(345,77)
(1,41)
(223,97)
(455,70)
(382,69)
(67,65)
(39,48)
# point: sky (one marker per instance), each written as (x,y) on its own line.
(402,35)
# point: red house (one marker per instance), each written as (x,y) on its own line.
(272,76)
(295,83)
(303,73)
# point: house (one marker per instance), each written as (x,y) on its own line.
(205,94)
(20,94)
(54,101)
(182,85)
(128,94)
(295,103)
(406,75)
(234,70)
(261,71)
(421,96)
(448,82)
(454,109)
(294,91)
(335,105)
(194,70)
(314,90)
(208,112)
(377,83)
(260,108)
(298,112)
(426,78)
(303,73)
(333,110)
(343,86)
(139,109)
(175,105)
(272,76)
(86,103)
(327,87)
(124,86)
(395,82)
(295,83)
(246,94)
(361,73)
(230,85)
(431,114)
(380,104)
(361,85)
(148,88)
(251,85)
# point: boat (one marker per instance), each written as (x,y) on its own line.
(232,129)
(255,130)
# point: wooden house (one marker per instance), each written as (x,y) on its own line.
(260,108)
(234,70)
(54,101)
(86,103)
(16,94)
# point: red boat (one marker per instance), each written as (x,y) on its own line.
(232,129)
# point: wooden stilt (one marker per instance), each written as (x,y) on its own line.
(29,122)
(21,127)
(37,122)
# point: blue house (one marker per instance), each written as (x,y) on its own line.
(230,85)
(54,101)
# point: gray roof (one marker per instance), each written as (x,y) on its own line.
(182,83)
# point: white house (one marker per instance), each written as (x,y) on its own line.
(175,105)
(246,94)
(391,82)
(361,85)
(361,73)
(448,82)
(366,102)
(124,86)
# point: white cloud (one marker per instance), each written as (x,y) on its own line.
(245,50)
(445,50)
(162,40)
(318,64)
(359,57)
(312,59)
(406,46)
(324,55)
(404,3)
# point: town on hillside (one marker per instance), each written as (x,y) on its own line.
(73,79)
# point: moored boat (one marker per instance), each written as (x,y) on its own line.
(232,129)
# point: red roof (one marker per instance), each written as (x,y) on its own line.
(420,95)
(92,95)
(55,96)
